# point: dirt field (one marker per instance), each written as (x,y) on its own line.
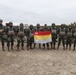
(38,62)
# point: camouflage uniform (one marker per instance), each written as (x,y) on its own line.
(1,28)
(69,36)
(30,37)
(2,34)
(38,29)
(62,34)
(3,38)
(74,35)
(54,36)
(21,38)
(10,36)
(46,29)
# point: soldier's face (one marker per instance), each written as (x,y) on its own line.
(45,26)
(38,26)
(31,27)
(53,25)
(0,22)
(10,25)
(21,26)
(62,26)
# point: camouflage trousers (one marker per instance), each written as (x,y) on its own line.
(74,43)
(10,40)
(30,41)
(20,40)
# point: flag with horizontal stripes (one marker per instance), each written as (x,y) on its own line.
(42,37)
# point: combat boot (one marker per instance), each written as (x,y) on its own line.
(64,48)
(40,46)
(69,48)
(74,49)
(22,48)
(12,48)
(8,49)
(3,49)
(27,48)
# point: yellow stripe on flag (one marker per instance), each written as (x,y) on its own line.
(45,37)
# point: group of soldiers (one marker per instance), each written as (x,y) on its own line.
(65,35)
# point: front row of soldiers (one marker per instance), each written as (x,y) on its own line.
(8,34)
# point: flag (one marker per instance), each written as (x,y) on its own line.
(42,37)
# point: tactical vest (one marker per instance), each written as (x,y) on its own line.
(21,32)
(31,33)
(62,31)
(75,33)
(53,30)
(69,33)
(4,36)
(1,28)
(11,31)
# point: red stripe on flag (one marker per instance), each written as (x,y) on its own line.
(42,33)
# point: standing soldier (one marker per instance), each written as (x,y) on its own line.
(1,27)
(62,34)
(69,36)
(46,29)
(54,36)
(38,29)
(10,36)
(30,37)
(20,34)
(16,30)
(4,38)
(2,34)
(74,39)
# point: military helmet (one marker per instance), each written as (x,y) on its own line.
(31,25)
(10,23)
(21,24)
(53,24)
(45,24)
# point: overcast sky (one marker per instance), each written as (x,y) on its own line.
(38,11)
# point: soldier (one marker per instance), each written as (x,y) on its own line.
(21,34)
(38,29)
(54,36)
(69,36)
(2,34)
(16,30)
(1,27)
(30,37)
(74,35)
(62,34)
(4,38)
(46,29)
(10,36)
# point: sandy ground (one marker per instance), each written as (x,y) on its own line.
(38,62)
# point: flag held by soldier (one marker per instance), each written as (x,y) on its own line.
(42,37)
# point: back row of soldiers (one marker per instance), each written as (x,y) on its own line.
(8,34)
